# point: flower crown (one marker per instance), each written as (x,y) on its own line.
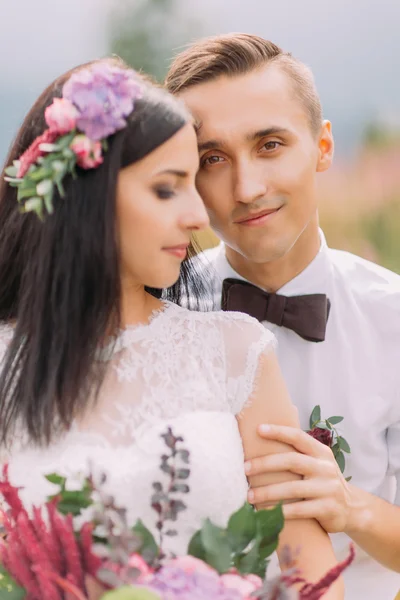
(94,105)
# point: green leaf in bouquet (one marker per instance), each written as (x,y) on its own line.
(335,448)
(131,592)
(182,473)
(343,444)
(70,501)
(183,455)
(182,488)
(56,479)
(217,547)
(335,420)
(196,547)
(315,416)
(73,502)
(251,561)
(269,525)
(341,461)
(323,425)
(9,589)
(242,528)
(149,547)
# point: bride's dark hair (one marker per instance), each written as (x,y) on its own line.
(59,279)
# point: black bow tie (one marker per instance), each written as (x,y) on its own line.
(305,315)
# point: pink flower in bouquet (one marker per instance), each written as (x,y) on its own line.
(88,152)
(245,584)
(174,583)
(190,564)
(137,562)
(61,116)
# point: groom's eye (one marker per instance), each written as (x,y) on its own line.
(272,145)
(211,160)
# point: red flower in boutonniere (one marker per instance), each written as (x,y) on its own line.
(325,432)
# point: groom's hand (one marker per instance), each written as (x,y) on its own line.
(322,493)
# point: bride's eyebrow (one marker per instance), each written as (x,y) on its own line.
(176,172)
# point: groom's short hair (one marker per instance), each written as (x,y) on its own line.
(238,54)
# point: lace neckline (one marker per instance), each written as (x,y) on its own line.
(126,335)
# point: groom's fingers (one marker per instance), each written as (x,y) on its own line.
(300,440)
(290,490)
(307,509)
(297,463)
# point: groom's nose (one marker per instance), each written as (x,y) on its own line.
(249,182)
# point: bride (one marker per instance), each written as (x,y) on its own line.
(95,364)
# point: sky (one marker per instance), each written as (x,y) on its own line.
(353,47)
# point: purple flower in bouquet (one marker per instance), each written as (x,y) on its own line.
(174,583)
(104,95)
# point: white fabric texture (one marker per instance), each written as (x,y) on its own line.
(353,373)
(184,370)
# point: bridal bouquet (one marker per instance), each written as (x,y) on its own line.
(78,545)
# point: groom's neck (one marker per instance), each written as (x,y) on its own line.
(275,273)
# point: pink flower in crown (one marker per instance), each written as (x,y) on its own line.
(61,116)
(104,95)
(30,156)
(88,153)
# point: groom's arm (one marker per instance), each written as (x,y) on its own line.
(325,495)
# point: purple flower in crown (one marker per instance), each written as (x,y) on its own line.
(104,95)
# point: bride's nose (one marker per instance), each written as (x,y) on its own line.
(195,216)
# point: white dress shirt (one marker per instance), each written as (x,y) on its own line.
(354,373)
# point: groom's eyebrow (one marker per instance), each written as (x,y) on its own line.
(209,145)
(251,137)
(266,132)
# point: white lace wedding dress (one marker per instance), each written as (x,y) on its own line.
(191,371)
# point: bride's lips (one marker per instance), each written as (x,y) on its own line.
(178,251)
(257,219)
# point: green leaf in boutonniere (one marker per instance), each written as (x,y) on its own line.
(325,432)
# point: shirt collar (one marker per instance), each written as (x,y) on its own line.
(313,279)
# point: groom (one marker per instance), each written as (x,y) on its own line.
(262,140)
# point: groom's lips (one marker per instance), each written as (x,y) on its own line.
(255,219)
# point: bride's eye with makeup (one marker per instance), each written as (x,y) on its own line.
(164,191)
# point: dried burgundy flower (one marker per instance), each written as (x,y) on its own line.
(324,436)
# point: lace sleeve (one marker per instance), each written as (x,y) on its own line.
(246,341)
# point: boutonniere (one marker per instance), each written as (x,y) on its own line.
(324,431)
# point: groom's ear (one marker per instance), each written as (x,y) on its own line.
(325,147)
